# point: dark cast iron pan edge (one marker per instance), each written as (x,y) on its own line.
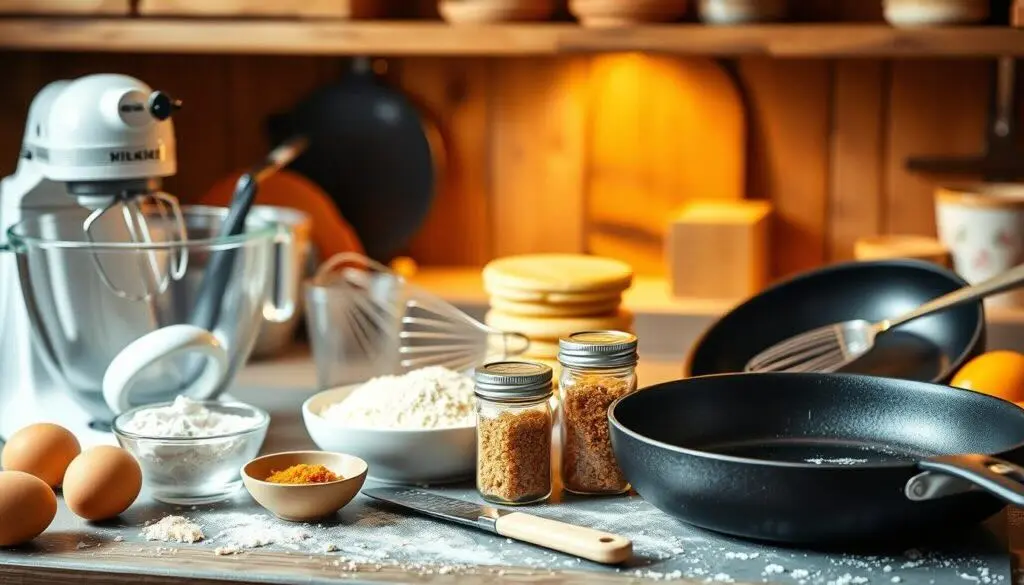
(977,339)
(938,476)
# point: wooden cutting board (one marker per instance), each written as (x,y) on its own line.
(661,131)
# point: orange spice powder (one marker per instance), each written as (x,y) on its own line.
(303,473)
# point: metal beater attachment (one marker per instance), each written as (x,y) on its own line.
(137,204)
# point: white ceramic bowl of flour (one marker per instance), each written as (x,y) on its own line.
(391,444)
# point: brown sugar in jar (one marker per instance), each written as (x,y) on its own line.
(598,368)
(514,425)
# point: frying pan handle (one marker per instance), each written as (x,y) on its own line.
(995,476)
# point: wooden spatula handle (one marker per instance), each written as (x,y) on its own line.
(587,543)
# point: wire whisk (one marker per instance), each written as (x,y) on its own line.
(373,314)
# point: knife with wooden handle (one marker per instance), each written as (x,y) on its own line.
(587,543)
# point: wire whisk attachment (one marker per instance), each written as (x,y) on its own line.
(434,333)
(397,326)
(158,266)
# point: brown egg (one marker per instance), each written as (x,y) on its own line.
(27,507)
(45,450)
(102,482)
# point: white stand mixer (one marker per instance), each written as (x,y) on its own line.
(92,142)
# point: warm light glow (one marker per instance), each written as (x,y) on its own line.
(664,131)
(405,267)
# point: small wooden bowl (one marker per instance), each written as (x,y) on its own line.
(615,13)
(485,11)
(304,502)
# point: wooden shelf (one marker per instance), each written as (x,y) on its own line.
(648,296)
(395,38)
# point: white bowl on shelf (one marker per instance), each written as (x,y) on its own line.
(935,12)
(735,12)
(403,456)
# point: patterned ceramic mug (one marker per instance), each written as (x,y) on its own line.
(983,225)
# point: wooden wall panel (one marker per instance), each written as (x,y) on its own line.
(454,96)
(935,108)
(259,87)
(662,131)
(855,205)
(202,126)
(24,75)
(537,144)
(790,123)
(833,10)
(828,140)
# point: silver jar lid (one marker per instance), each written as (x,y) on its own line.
(598,349)
(513,381)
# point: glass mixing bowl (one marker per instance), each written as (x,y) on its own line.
(87,300)
(195,470)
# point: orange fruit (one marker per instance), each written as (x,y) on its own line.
(997,373)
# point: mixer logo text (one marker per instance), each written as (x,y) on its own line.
(149,154)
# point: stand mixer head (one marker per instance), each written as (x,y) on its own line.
(109,138)
(103,142)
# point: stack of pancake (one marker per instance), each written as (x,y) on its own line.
(548,296)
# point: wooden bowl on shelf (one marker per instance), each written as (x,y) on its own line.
(486,11)
(610,13)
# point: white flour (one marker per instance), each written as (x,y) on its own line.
(428,398)
(248,531)
(179,464)
(836,461)
(368,539)
(186,418)
(173,528)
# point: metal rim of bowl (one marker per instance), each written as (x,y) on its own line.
(266,231)
(260,414)
(954,365)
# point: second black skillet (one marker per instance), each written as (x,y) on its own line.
(372,150)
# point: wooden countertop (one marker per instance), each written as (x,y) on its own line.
(73,552)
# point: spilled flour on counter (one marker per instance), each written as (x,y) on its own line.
(367,536)
(173,529)
(243,532)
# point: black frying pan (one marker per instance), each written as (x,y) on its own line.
(820,458)
(931,349)
(373,151)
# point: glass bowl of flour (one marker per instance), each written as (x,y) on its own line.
(191,451)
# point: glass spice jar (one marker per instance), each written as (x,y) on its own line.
(598,367)
(514,426)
